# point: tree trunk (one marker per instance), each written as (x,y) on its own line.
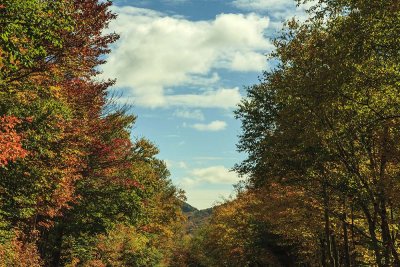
(330,259)
(346,253)
(335,254)
(353,241)
(385,233)
(323,252)
(372,232)
(56,254)
(389,248)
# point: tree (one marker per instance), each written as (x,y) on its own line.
(71,178)
(326,119)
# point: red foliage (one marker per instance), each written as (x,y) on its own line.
(86,97)
(75,65)
(86,44)
(112,159)
(10,142)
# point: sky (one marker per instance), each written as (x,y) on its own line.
(183,66)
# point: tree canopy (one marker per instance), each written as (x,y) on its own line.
(75,190)
(320,132)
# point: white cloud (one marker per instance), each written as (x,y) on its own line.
(247,61)
(214,126)
(278,9)
(224,98)
(264,4)
(221,98)
(206,198)
(210,175)
(196,114)
(178,164)
(182,165)
(202,81)
(169,163)
(157,52)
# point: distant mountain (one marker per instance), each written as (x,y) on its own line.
(188,208)
(196,218)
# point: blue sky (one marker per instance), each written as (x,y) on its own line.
(183,66)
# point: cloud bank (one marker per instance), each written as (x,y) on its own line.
(157,52)
(278,10)
(211,175)
(214,126)
(264,4)
(196,114)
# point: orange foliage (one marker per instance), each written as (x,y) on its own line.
(10,142)
(17,253)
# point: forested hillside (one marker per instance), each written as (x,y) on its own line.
(196,218)
(320,132)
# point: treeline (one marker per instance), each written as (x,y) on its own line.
(74,189)
(321,131)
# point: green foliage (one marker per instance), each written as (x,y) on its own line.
(31,31)
(324,123)
(321,133)
(15,252)
(73,184)
(125,246)
(238,234)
